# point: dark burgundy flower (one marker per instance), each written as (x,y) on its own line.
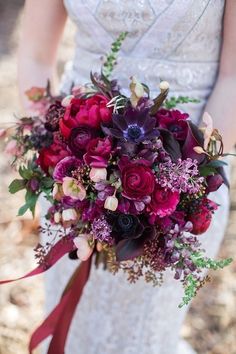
(54,114)
(201,218)
(130,233)
(174,121)
(79,139)
(137,180)
(134,126)
(98,152)
(89,112)
(214,183)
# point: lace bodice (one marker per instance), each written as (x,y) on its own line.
(178,41)
(175,40)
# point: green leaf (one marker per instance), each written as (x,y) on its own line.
(31,200)
(47,182)
(207,171)
(16,185)
(217,163)
(25,173)
(23,210)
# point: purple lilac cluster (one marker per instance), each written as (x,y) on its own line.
(181,176)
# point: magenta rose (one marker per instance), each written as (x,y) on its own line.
(90,112)
(174,121)
(98,152)
(137,181)
(163,202)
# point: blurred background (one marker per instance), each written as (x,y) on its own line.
(211,324)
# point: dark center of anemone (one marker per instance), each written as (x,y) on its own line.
(134,131)
(126,222)
(175,128)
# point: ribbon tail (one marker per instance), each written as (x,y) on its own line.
(58,322)
(58,341)
(62,247)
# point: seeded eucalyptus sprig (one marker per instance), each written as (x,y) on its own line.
(111,57)
(172,102)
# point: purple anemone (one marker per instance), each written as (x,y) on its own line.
(134,126)
(65,167)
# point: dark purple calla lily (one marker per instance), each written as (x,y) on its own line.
(194,138)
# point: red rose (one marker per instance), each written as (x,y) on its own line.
(49,157)
(163,202)
(137,181)
(98,152)
(89,112)
(201,219)
(174,121)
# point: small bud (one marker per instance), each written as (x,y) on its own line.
(67,100)
(57,217)
(199,150)
(164,85)
(82,243)
(69,215)
(111,203)
(98,174)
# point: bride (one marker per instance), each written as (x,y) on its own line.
(191,44)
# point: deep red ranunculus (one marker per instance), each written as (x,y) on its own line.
(137,181)
(163,202)
(89,112)
(49,157)
(201,219)
(174,121)
(79,139)
(98,152)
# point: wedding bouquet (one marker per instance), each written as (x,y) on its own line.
(128,178)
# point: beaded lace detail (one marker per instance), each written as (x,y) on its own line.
(175,40)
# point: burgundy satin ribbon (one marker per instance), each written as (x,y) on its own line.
(62,247)
(58,322)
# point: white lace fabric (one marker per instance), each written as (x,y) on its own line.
(175,40)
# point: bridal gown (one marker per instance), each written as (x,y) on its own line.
(174,40)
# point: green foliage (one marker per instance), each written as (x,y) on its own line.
(111,57)
(208,263)
(172,102)
(30,203)
(31,172)
(16,185)
(211,167)
(191,286)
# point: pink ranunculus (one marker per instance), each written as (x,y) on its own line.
(163,202)
(90,112)
(98,152)
(174,121)
(201,219)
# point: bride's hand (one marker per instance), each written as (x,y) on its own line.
(42,26)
